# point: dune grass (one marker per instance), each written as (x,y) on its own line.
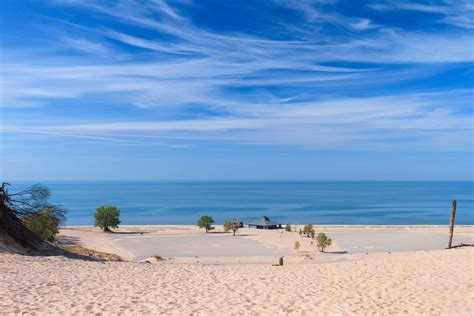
(80,250)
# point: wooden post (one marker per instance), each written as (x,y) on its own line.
(451,224)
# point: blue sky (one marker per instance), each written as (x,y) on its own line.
(246,90)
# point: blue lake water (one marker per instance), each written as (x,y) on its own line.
(287,202)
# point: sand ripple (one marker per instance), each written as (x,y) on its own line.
(437,282)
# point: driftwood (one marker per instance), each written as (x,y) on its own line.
(461,245)
(451,224)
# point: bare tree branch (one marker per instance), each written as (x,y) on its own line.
(32,200)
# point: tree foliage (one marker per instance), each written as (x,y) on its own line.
(43,224)
(323,241)
(31,211)
(106,217)
(206,222)
(288,228)
(231,225)
(308,230)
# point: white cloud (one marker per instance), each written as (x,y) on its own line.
(421,119)
(287,92)
(362,24)
(86,46)
(459,12)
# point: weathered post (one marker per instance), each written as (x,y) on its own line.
(451,224)
(280,261)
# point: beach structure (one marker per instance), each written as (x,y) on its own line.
(265,223)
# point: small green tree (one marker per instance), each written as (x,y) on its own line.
(297,245)
(106,217)
(288,228)
(323,241)
(300,232)
(206,222)
(308,230)
(312,234)
(231,224)
(44,224)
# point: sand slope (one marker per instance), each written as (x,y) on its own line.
(434,282)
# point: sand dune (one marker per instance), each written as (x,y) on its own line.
(434,282)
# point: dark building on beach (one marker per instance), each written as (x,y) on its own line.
(265,223)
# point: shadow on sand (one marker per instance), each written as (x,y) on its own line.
(128,233)
(67,240)
(336,252)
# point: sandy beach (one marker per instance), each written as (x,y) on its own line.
(431,283)
(361,273)
(189,244)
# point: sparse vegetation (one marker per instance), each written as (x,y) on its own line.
(206,222)
(27,216)
(323,241)
(288,228)
(308,230)
(158,257)
(106,217)
(231,225)
(297,245)
(44,224)
(77,249)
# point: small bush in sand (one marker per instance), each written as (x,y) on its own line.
(206,222)
(231,225)
(44,224)
(308,230)
(297,245)
(323,241)
(288,228)
(106,217)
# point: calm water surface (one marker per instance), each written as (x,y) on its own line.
(287,202)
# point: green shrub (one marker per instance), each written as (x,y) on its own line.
(231,224)
(308,230)
(44,224)
(288,228)
(323,241)
(106,217)
(206,222)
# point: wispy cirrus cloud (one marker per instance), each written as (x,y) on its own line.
(410,120)
(201,84)
(458,13)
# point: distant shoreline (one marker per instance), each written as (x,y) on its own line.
(316,225)
(365,226)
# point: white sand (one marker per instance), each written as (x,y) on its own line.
(433,282)
(185,243)
(219,273)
